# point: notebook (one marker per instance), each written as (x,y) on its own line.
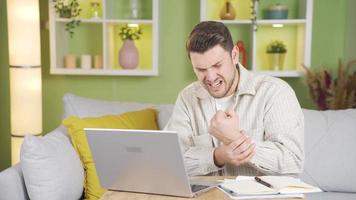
(146,161)
(244,187)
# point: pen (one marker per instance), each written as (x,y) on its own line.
(227,190)
(263,182)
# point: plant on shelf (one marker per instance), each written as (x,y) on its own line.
(276,51)
(68,9)
(128,54)
(333,93)
(130,32)
(276,46)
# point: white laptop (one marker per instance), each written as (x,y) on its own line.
(142,161)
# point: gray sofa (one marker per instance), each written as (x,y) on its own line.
(330,140)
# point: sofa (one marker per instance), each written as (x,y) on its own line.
(330,143)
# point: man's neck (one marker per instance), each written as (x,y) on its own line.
(235,84)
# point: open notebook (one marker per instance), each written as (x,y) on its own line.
(247,186)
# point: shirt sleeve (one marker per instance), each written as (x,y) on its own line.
(197,154)
(282,150)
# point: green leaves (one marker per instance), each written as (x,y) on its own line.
(276,46)
(69,10)
(130,33)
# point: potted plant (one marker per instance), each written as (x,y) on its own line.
(330,92)
(128,54)
(276,51)
(68,9)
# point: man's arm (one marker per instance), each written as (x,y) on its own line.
(238,152)
(198,151)
(282,151)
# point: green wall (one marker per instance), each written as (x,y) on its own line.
(176,20)
(4,91)
(350,33)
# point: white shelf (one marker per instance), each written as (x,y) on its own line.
(130,21)
(100,36)
(244,21)
(295,32)
(81,20)
(280,21)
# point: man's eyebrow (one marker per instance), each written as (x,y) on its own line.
(218,63)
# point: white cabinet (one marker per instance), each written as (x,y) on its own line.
(99,38)
(251,26)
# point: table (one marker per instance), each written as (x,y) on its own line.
(213,194)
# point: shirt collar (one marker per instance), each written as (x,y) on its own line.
(247,84)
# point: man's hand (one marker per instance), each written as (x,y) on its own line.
(225,126)
(236,153)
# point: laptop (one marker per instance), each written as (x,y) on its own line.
(145,161)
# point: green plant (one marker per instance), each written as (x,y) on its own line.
(68,9)
(333,93)
(130,32)
(276,46)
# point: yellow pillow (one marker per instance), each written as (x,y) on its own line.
(143,119)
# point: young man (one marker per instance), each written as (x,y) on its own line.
(231,121)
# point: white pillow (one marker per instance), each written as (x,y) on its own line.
(51,167)
(330,143)
(87,107)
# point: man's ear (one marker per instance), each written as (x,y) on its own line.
(235,54)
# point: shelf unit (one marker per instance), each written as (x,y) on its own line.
(256,32)
(99,36)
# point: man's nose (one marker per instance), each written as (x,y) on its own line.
(210,75)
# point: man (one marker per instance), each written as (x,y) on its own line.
(232,122)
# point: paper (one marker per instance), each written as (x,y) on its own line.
(246,187)
(270,196)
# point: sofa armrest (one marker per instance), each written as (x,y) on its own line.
(12,184)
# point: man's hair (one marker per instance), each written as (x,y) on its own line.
(208,34)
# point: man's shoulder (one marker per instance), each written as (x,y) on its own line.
(191,89)
(271,83)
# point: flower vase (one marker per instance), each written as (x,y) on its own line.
(128,55)
(228,11)
(276,60)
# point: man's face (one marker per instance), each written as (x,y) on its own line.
(216,70)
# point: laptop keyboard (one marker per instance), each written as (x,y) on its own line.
(196,188)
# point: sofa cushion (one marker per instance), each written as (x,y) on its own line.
(331,196)
(330,141)
(51,168)
(87,107)
(12,185)
(143,119)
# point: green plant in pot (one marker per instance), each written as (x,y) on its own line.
(68,9)
(276,50)
(128,54)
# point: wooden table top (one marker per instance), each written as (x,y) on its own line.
(212,194)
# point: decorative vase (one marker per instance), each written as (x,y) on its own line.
(128,55)
(228,11)
(276,11)
(276,60)
(135,9)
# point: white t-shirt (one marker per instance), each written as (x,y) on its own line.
(224,103)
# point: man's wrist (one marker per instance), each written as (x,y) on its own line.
(217,160)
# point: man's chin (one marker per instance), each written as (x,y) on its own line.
(217,94)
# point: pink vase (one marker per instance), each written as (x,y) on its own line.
(128,55)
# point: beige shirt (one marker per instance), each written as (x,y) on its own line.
(269,112)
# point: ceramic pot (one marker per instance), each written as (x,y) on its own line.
(276,60)
(128,55)
(228,11)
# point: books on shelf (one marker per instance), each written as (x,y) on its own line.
(249,187)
